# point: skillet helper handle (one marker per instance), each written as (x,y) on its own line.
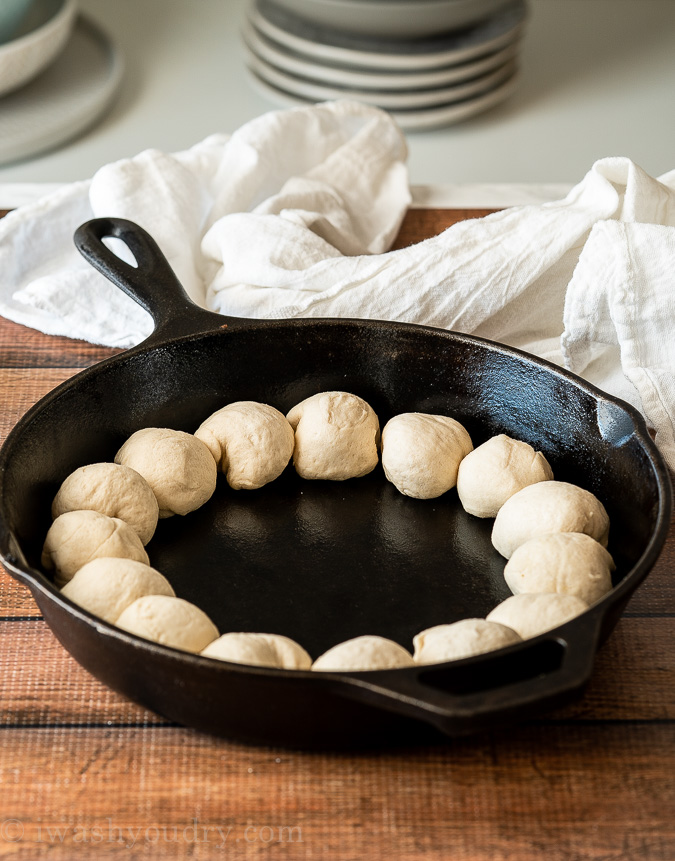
(152,283)
(487,691)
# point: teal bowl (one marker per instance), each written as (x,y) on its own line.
(12,14)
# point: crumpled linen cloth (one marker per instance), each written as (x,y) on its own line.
(292,215)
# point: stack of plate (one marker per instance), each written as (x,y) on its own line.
(433,79)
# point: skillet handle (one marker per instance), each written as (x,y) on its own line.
(152,283)
(462,697)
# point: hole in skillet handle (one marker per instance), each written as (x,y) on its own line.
(488,691)
(152,283)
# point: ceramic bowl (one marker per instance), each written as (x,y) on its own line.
(12,13)
(39,41)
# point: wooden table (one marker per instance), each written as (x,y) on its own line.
(84,771)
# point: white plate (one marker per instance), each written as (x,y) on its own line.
(294,64)
(407,19)
(388,101)
(65,99)
(410,120)
(330,46)
(39,41)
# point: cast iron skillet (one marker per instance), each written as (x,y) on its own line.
(324,561)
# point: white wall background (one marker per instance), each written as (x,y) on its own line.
(598,79)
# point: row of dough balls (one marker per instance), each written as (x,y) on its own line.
(159,472)
(138,599)
(554,577)
(111,510)
(332,435)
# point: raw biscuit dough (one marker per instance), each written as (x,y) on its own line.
(530,614)
(264,650)
(364,653)
(106,586)
(336,436)
(178,467)
(421,453)
(568,563)
(497,469)
(77,537)
(545,507)
(111,489)
(170,621)
(461,640)
(251,443)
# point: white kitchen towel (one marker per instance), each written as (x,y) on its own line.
(292,216)
(332,175)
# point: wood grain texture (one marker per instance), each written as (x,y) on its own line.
(20,388)
(85,772)
(19,348)
(34,667)
(15,599)
(420,224)
(536,792)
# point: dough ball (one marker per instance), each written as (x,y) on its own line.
(178,467)
(250,442)
(497,469)
(530,614)
(264,650)
(111,489)
(568,563)
(106,586)
(421,453)
(461,640)
(170,621)
(364,653)
(548,506)
(336,436)
(77,537)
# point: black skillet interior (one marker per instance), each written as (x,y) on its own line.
(324,561)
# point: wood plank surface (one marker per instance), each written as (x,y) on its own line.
(84,772)
(526,795)
(20,388)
